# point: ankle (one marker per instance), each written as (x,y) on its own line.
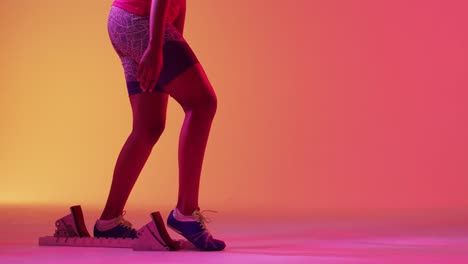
(104,225)
(182,217)
(110,214)
(186,211)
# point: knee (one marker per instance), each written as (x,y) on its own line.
(206,105)
(211,105)
(149,133)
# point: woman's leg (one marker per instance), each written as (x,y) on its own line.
(193,91)
(149,118)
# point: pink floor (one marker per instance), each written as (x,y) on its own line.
(250,239)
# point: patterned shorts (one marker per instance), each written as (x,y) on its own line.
(129,35)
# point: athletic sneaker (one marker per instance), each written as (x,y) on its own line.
(195,231)
(119,228)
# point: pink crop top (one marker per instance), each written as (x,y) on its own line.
(142,7)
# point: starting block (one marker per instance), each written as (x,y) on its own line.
(71,231)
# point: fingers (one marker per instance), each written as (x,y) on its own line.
(144,76)
(141,76)
(153,80)
(152,85)
(149,69)
(148,78)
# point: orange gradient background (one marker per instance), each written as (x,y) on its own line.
(324,106)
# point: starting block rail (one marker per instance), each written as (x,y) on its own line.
(71,232)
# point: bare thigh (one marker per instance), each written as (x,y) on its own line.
(192,89)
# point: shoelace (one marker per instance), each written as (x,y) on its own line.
(203,220)
(121,221)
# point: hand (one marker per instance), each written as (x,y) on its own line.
(149,69)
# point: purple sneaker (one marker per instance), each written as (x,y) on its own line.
(196,232)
